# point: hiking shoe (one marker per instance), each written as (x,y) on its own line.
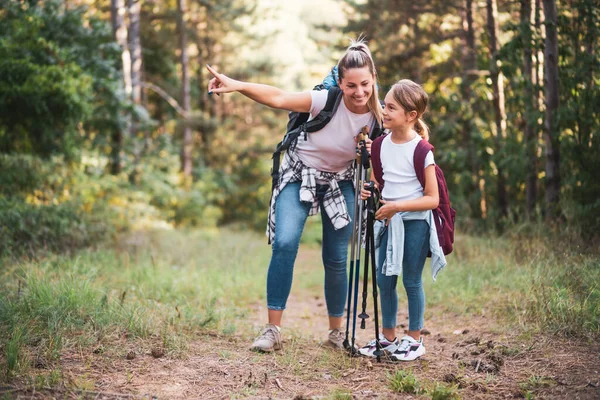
(335,339)
(269,340)
(386,346)
(409,349)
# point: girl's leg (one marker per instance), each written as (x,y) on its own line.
(290,217)
(335,257)
(416,247)
(387,293)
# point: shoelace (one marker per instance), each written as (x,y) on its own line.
(269,333)
(404,346)
(336,334)
(373,342)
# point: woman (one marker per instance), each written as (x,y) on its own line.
(315,173)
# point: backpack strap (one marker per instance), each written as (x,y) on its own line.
(376,160)
(334,97)
(421,151)
(376,130)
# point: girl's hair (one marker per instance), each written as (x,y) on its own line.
(412,97)
(358,55)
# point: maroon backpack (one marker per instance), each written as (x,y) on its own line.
(444,215)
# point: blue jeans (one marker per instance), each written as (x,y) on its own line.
(290,217)
(416,247)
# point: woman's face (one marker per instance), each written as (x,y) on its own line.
(357,86)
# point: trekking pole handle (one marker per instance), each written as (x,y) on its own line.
(373,198)
(361,139)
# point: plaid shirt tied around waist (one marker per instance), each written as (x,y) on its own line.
(334,203)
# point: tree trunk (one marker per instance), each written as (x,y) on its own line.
(539,60)
(531,136)
(499,111)
(469,57)
(117,16)
(206,55)
(585,122)
(186,148)
(552,130)
(135,49)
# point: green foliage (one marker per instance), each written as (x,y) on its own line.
(48,205)
(537,278)
(403,381)
(443,392)
(13,351)
(29,229)
(430,46)
(43,105)
(340,394)
(535,382)
(41,212)
(568,301)
(60,71)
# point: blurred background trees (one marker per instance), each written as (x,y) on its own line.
(105,123)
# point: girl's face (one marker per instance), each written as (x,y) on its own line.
(394,116)
(357,86)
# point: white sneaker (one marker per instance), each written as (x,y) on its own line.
(335,339)
(409,349)
(268,341)
(386,345)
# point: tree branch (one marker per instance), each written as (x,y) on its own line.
(169,99)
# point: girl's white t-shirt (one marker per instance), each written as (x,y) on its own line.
(333,148)
(397,163)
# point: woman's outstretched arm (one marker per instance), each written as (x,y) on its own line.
(264,94)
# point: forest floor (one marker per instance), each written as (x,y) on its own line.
(468,357)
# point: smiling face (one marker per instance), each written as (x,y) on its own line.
(395,116)
(357,85)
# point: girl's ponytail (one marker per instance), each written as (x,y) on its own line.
(412,97)
(422,129)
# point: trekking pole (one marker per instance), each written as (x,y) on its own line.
(355,222)
(371,208)
(364,163)
(363,315)
(355,242)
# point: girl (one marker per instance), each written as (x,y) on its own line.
(404,229)
(317,172)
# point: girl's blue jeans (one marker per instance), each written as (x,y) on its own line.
(416,247)
(290,217)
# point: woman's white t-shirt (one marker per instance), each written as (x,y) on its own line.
(333,148)
(397,163)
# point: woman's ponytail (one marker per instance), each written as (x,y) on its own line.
(358,55)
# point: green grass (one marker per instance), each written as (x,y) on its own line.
(530,284)
(404,381)
(158,289)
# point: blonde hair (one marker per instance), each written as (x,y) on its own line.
(412,97)
(358,55)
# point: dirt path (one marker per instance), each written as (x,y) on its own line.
(472,353)
(479,355)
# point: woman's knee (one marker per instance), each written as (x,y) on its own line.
(286,241)
(335,264)
(412,283)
